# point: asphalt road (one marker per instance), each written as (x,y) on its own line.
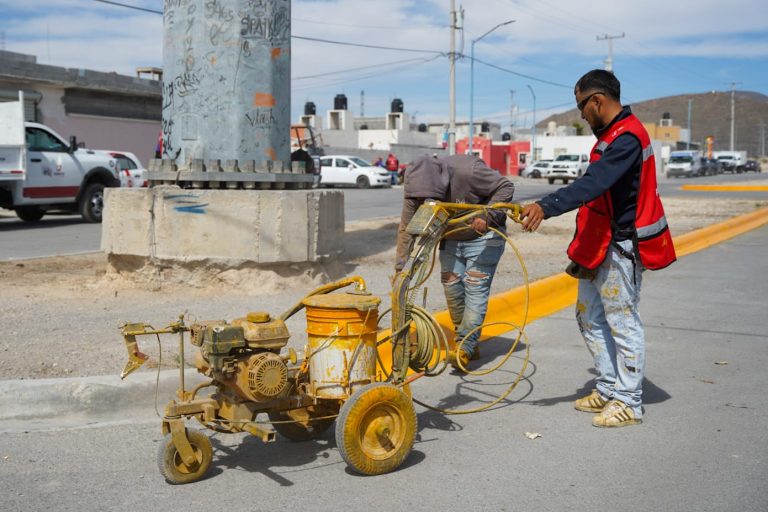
(68,234)
(703,445)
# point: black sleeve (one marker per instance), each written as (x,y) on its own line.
(620,157)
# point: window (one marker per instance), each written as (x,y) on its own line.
(123,162)
(360,162)
(40,140)
(326,162)
(340,162)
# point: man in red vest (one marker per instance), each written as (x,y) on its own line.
(621,230)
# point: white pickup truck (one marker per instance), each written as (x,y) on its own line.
(39,171)
(567,168)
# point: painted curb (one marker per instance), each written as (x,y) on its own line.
(726,188)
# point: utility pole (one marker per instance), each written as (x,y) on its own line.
(609,60)
(533,130)
(733,112)
(452,99)
(762,138)
(688,145)
(362,103)
(512,114)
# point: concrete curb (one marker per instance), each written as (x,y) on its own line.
(77,402)
(33,404)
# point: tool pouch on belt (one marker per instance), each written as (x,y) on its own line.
(575,270)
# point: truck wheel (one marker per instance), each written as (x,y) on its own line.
(550,181)
(30,213)
(92,202)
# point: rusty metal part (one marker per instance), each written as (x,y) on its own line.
(265,434)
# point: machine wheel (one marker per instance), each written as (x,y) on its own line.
(30,213)
(173,468)
(363,182)
(92,202)
(376,429)
(551,180)
(303,430)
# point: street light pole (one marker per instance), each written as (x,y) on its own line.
(472,82)
(533,131)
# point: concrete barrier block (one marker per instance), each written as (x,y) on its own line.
(228,227)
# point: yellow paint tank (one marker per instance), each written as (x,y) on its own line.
(341,351)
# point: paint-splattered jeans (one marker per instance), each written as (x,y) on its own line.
(467,272)
(606,312)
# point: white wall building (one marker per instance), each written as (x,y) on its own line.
(548,148)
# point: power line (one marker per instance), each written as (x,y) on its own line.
(127,6)
(349,70)
(529,77)
(353,25)
(361,45)
(363,77)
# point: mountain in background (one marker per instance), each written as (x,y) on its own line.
(710,115)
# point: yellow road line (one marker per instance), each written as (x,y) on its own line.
(726,188)
(556,292)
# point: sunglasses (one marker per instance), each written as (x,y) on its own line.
(583,103)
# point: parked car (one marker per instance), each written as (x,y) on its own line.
(715,165)
(567,168)
(752,166)
(130,170)
(539,169)
(351,170)
(684,163)
(708,167)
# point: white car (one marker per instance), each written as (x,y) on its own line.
(539,169)
(351,170)
(130,170)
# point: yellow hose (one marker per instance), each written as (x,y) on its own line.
(431,338)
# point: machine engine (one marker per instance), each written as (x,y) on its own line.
(244,355)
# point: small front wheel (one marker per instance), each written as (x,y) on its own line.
(172,466)
(376,429)
(363,182)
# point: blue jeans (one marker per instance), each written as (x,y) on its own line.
(467,269)
(606,312)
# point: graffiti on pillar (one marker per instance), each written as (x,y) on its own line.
(267,25)
(227,64)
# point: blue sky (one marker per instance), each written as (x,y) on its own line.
(669,48)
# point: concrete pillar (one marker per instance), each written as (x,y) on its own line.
(226,91)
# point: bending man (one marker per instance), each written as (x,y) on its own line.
(468,258)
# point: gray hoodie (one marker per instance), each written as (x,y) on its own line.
(454,179)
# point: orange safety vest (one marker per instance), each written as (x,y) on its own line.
(594,220)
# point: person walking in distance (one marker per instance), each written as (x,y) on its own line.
(621,230)
(468,258)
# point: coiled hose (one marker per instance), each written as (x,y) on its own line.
(431,339)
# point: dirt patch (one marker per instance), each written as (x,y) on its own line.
(62,314)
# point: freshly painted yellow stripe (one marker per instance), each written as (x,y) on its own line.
(727,188)
(556,292)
